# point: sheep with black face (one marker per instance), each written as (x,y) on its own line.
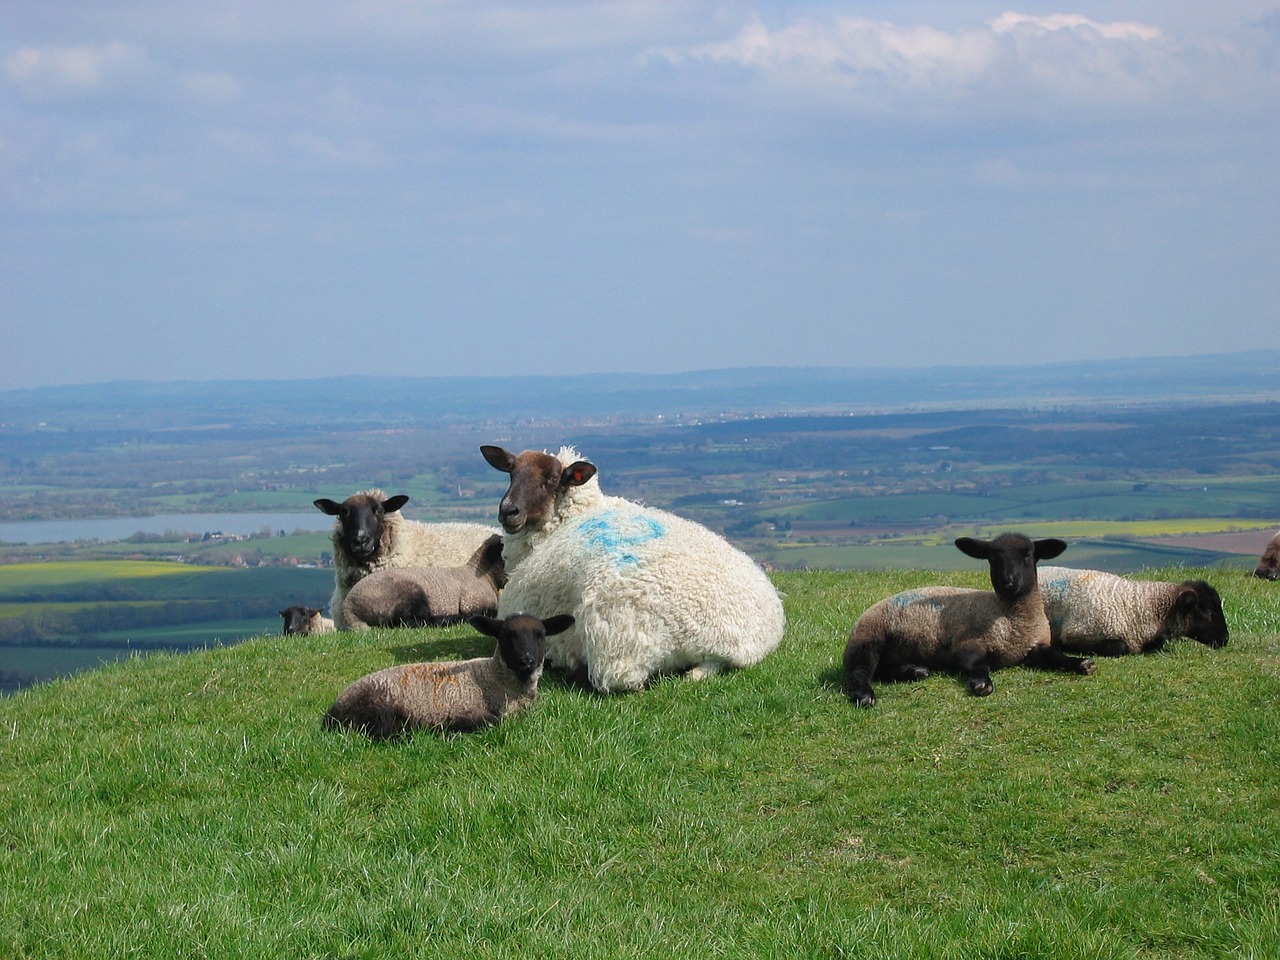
(972,632)
(305,621)
(1269,563)
(370,534)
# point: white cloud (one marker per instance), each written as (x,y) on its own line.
(63,72)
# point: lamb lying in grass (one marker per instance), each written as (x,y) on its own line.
(304,620)
(421,596)
(1096,612)
(1269,563)
(973,632)
(459,696)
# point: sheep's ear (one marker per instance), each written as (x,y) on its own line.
(392,504)
(284,613)
(554,625)
(490,626)
(313,611)
(1050,548)
(498,458)
(1187,600)
(331,507)
(576,474)
(972,546)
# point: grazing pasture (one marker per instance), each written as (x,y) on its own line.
(191,804)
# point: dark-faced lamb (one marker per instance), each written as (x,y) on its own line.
(426,596)
(971,632)
(1095,612)
(459,696)
(652,593)
(1269,564)
(305,621)
(370,534)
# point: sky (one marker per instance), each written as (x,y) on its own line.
(248,190)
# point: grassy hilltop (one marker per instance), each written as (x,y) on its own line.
(191,805)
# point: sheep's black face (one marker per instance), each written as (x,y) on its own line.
(537,480)
(522,638)
(362,519)
(1269,562)
(1012,559)
(1200,607)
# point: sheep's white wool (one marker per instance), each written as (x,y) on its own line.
(651,592)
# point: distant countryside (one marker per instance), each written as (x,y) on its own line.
(1134,477)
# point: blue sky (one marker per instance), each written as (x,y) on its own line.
(295,189)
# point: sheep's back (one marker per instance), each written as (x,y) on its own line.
(1085,606)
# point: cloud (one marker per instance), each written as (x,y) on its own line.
(1019,58)
(44,73)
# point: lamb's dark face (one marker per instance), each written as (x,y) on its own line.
(1269,564)
(1199,608)
(1012,559)
(537,480)
(522,638)
(362,519)
(297,619)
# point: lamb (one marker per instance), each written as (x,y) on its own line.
(370,534)
(305,621)
(651,593)
(1095,612)
(904,636)
(420,596)
(460,696)
(1269,564)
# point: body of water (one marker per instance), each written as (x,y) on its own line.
(121,528)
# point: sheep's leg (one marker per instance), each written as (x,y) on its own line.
(977,671)
(1055,658)
(707,668)
(906,672)
(860,662)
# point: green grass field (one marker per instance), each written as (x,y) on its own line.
(191,805)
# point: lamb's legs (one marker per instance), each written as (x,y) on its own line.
(977,672)
(860,661)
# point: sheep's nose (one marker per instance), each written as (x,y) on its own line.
(507,511)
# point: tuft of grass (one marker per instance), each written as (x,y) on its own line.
(191,805)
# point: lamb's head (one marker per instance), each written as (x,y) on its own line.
(1198,610)
(362,518)
(298,619)
(1269,563)
(522,638)
(1013,560)
(538,481)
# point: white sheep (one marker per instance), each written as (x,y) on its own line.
(652,593)
(370,534)
(427,596)
(972,632)
(1269,563)
(460,695)
(1096,612)
(305,621)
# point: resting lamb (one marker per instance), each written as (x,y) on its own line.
(1096,612)
(973,632)
(370,534)
(461,695)
(1269,564)
(652,593)
(424,596)
(304,620)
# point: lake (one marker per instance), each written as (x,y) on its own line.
(121,528)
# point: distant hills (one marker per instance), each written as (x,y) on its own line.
(390,400)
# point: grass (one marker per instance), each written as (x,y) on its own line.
(190,805)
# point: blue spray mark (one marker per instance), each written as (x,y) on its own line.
(614,534)
(914,596)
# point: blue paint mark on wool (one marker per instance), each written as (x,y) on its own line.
(616,533)
(914,596)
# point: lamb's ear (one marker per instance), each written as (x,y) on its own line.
(498,458)
(314,611)
(576,474)
(978,549)
(1187,600)
(490,626)
(332,508)
(392,504)
(559,624)
(1050,548)
(284,613)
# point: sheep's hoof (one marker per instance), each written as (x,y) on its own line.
(981,687)
(915,673)
(864,700)
(1087,667)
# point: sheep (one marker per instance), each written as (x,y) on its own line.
(370,534)
(419,596)
(460,695)
(1095,612)
(304,620)
(652,593)
(904,636)
(1269,565)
